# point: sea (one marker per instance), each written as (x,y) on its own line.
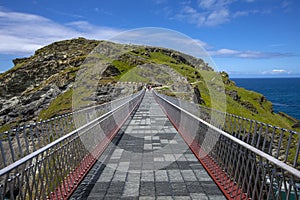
(284,93)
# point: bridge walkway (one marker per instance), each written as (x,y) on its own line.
(147,159)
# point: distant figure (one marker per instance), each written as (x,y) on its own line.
(149,87)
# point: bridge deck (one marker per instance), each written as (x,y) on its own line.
(148,159)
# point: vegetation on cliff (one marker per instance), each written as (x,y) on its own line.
(41,86)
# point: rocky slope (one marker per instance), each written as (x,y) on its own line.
(41,86)
(34,82)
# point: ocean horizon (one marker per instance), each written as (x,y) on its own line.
(284,93)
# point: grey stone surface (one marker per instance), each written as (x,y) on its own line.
(149,161)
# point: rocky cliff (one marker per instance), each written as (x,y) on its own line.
(36,81)
(40,86)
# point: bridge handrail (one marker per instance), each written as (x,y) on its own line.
(33,154)
(253,132)
(176,101)
(49,129)
(41,150)
(94,107)
(59,156)
(238,141)
(242,170)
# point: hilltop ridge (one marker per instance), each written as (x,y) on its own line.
(41,86)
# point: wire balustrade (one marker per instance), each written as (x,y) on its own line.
(52,171)
(246,158)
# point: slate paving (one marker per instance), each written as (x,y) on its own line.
(148,159)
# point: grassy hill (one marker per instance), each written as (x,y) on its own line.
(51,73)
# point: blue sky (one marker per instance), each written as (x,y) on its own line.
(246,38)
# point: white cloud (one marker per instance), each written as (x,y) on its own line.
(286,3)
(166,38)
(177,41)
(23,33)
(217,17)
(214,12)
(202,44)
(160,1)
(214,4)
(277,72)
(203,18)
(247,54)
(277,45)
(206,3)
(225,52)
(248,12)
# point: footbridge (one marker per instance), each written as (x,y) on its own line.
(149,146)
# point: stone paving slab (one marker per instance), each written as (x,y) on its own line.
(148,160)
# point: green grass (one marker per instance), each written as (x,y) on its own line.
(133,75)
(159,57)
(15,68)
(122,67)
(198,78)
(7,127)
(62,104)
(264,109)
(183,69)
(212,89)
(101,57)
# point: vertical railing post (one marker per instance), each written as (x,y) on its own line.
(18,142)
(8,133)
(31,136)
(3,154)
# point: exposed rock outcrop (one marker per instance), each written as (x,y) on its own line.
(180,58)
(296,125)
(249,106)
(111,70)
(234,95)
(197,96)
(34,82)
